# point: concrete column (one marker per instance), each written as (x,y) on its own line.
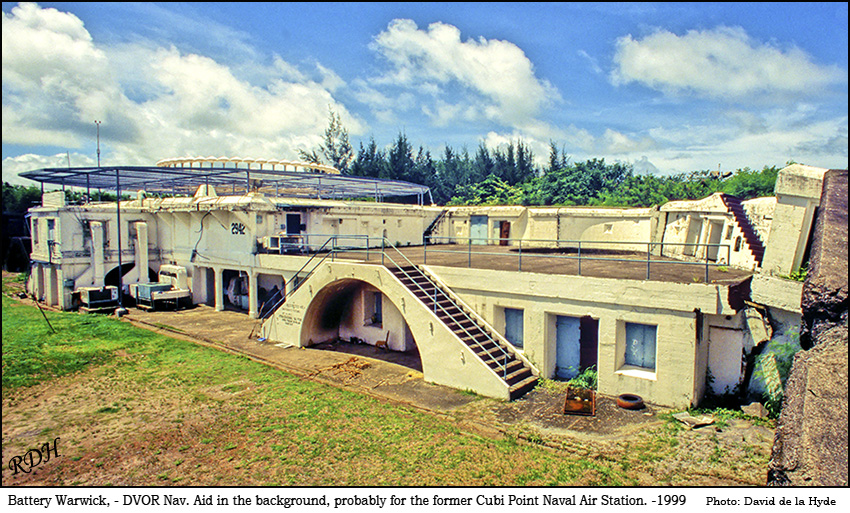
(97,253)
(50,291)
(219,289)
(703,238)
(63,296)
(142,262)
(253,306)
(38,281)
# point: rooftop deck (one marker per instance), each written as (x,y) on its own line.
(596,263)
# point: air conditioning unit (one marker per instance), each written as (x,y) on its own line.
(271,243)
(94,297)
(175,275)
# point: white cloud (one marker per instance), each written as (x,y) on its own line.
(724,63)
(613,142)
(154,102)
(14,166)
(55,81)
(492,78)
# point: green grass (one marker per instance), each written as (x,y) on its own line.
(278,428)
(32,352)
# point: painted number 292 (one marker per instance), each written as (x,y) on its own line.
(237,228)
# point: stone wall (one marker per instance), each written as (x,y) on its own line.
(810,447)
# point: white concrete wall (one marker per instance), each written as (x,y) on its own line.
(676,380)
(798,191)
(539,226)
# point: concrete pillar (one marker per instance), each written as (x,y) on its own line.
(63,296)
(703,238)
(253,306)
(50,291)
(38,282)
(219,289)
(97,253)
(142,262)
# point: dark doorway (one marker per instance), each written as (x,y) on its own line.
(293,224)
(504,232)
(576,341)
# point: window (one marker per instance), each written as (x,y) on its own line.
(640,345)
(35,231)
(373,308)
(377,310)
(514,326)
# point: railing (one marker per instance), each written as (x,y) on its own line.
(331,248)
(297,281)
(505,353)
(533,245)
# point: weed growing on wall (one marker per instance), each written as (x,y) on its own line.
(773,368)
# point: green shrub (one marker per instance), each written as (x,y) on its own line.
(587,379)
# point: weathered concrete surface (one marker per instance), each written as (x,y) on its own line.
(810,447)
(825,290)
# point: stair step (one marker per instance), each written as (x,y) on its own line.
(478,336)
(494,353)
(448,311)
(519,389)
(519,378)
(518,375)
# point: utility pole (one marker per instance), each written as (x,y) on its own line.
(96,122)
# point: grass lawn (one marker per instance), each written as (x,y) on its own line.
(132,407)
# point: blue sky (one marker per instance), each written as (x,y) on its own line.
(666,87)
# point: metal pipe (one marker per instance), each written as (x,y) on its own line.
(520,255)
(118,222)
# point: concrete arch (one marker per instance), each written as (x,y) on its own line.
(351,308)
(445,359)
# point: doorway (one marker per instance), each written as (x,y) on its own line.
(478,229)
(504,232)
(576,344)
(293,224)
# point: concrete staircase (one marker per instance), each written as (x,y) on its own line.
(752,240)
(492,349)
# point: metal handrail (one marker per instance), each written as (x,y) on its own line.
(330,253)
(577,244)
(298,283)
(384,243)
(486,333)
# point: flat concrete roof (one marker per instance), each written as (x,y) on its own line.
(596,263)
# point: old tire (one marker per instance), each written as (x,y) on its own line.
(630,401)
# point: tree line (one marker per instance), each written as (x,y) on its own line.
(508,175)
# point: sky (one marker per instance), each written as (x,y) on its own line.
(668,88)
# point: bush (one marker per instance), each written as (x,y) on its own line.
(587,379)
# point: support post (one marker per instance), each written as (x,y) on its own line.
(118,229)
(219,289)
(579,258)
(253,296)
(520,255)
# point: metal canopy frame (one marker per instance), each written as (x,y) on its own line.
(228,181)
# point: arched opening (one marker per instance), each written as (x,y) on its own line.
(354,317)
(111,277)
